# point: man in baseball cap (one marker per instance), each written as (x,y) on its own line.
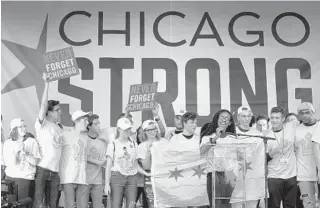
(73,162)
(244,118)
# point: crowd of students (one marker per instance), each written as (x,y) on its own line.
(89,161)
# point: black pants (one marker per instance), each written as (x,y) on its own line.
(24,188)
(222,190)
(144,197)
(284,190)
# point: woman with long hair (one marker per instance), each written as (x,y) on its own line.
(151,134)
(222,123)
(122,167)
(21,154)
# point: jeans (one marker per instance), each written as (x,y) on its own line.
(96,191)
(75,195)
(24,187)
(46,187)
(123,186)
(284,190)
(308,191)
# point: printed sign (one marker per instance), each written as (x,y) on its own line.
(61,64)
(142,97)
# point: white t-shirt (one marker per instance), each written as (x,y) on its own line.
(179,140)
(143,150)
(73,163)
(97,150)
(124,156)
(252,131)
(306,165)
(283,164)
(50,144)
(20,169)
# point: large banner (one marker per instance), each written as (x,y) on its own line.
(204,55)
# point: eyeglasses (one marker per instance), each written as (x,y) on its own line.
(225,118)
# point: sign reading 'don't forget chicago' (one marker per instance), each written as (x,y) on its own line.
(61,64)
(142,97)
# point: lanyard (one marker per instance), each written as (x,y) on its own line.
(280,140)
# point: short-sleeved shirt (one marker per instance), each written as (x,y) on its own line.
(252,131)
(143,150)
(283,164)
(306,165)
(97,150)
(20,169)
(50,144)
(73,164)
(124,156)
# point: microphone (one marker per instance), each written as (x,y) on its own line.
(258,136)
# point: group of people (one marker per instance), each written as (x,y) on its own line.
(87,161)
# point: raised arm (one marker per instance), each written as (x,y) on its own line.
(155,112)
(44,101)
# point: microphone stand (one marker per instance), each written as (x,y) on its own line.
(265,141)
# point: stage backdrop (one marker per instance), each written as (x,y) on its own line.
(204,55)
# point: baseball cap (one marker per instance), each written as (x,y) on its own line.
(17,122)
(147,123)
(306,106)
(181,113)
(244,109)
(79,114)
(124,123)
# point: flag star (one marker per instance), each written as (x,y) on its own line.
(175,174)
(198,171)
(33,61)
(247,164)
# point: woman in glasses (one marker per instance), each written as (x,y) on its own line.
(150,134)
(222,123)
(21,154)
(122,167)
